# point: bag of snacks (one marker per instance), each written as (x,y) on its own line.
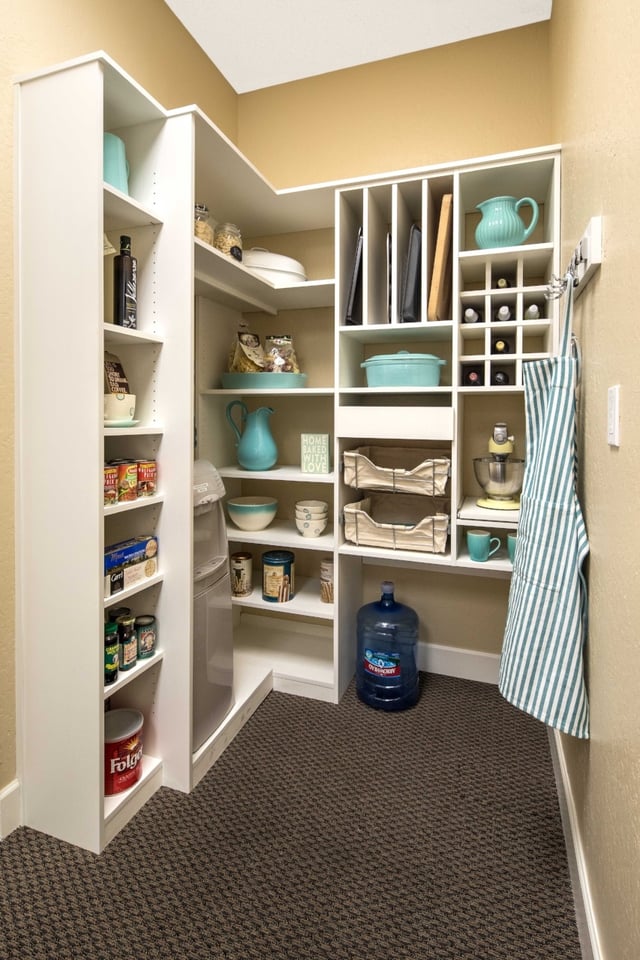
(246,354)
(280,354)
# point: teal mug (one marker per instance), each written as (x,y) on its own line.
(115,169)
(481,545)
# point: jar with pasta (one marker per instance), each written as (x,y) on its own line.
(228,239)
(201,226)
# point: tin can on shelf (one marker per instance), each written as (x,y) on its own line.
(110,485)
(326,580)
(123,737)
(127,481)
(278,576)
(128,641)
(241,574)
(147,478)
(111,652)
(146,636)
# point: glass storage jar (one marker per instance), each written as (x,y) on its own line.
(228,239)
(201,226)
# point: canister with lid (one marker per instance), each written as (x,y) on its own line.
(146,636)
(228,239)
(201,226)
(241,573)
(326,580)
(278,576)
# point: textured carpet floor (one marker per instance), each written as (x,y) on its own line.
(323,831)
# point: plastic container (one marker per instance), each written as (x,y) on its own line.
(387,668)
(403,369)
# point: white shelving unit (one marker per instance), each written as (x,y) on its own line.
(191,300)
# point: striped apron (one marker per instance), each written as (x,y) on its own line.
(541,667)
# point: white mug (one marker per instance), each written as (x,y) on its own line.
(120,407)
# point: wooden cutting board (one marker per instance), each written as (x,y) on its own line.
(438,307)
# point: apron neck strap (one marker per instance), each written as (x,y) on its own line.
(565,334)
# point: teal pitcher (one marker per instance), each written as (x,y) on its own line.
(256,447)
(501,225)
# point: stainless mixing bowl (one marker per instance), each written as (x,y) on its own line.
(499,479)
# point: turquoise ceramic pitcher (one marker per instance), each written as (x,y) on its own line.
(257,449)
(501,225)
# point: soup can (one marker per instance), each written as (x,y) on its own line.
(241,574)
(146,636)
(278,576)
(122,750)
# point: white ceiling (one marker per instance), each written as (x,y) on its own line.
(259,43)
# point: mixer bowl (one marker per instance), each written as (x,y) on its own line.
(499,479)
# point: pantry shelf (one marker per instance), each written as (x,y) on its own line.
(126,676)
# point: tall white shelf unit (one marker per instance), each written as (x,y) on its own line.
(191,299)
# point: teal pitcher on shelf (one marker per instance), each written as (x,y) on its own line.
(501,225)
(256,447)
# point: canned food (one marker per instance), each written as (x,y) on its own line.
(111,652)
(123,736)
(116,612)
(146,636)
(110,485)
(128,641)
(241,574)
(127,481)
(147,478)
(278,576)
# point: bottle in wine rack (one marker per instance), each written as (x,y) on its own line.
(500,378)
(500,345)
(473,376)
(125,286)
(502,283)
(471,315)
(532,312)
(503,313)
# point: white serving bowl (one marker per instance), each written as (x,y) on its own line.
(312,505)
(311,528)
(252,513)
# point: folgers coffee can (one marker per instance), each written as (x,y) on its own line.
(146,636)
(241,573)
(278,576)
(122,750)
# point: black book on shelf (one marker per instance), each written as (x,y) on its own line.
(353,313)
(410,300)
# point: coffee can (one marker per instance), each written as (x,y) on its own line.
(241,574)
(278,576)
(146,636)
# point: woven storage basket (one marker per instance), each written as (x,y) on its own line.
(402,469)
(397,522)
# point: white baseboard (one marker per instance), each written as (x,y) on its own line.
(585,915)
(461,663)
(10,808)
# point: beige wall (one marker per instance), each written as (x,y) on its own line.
(574,82)
(595,92)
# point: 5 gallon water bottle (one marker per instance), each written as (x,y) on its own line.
(387,669)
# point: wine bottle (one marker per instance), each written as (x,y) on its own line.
(125,286)
(472,316)
(473,377)
(500,345)
(503,313)
(502,283)
(499,378)
(532,312)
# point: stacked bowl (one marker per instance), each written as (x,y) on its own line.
(311,517)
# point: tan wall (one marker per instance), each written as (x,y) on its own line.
(468,99)
(145,38)
(595,90)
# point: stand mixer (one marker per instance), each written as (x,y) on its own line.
(500,475)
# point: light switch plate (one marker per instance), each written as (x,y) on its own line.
(613,416)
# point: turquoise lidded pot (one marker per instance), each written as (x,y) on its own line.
(501,225)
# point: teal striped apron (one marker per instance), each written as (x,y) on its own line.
(542,663)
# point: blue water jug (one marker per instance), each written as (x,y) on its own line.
(387,667)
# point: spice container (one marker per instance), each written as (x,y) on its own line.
(241,574)
(228,239)
(201,226)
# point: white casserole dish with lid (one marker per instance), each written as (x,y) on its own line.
(279,270)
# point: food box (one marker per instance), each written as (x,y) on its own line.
(398,521)
(278,270)
(403,369)
(129,562)
(401,469)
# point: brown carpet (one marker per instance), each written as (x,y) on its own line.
(324,831)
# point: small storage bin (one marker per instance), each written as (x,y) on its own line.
(398,522)
(401,469)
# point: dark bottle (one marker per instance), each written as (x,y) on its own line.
(387,665)
(125,286)
(473,377)
(500,345)
(471,315)
(502,283)
(503,313)
(499,378)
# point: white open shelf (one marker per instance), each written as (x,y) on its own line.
(305,603)
(283,533)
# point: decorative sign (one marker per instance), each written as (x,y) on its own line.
(314,453)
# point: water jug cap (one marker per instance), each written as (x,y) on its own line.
(387,587)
